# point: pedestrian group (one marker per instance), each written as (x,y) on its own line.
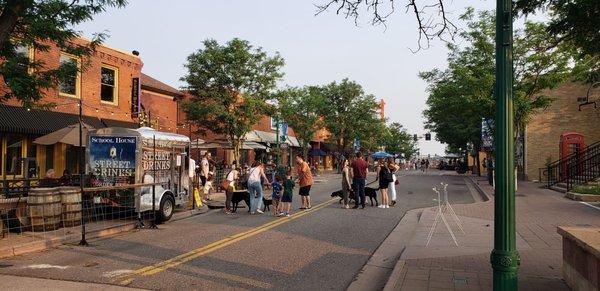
(254,179)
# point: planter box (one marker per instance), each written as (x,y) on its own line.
(583,197)
(581,257)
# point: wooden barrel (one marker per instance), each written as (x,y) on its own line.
(70,198)
(45,208)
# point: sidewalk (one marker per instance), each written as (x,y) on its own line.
(443,266)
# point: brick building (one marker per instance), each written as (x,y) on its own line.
(159,104)
(112,90)
(104,87)
(542,135)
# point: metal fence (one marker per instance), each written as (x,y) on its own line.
(577,168)
(34,218)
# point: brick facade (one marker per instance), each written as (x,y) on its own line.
(542,135)
(128,66)
(162,109)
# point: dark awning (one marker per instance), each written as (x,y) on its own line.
(14,119)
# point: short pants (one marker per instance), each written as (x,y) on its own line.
(286,198)
(305,190)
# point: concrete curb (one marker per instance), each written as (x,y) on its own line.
(397,271)
(381,266)
(43,245)
(583,197)
(395,276)
(484,195)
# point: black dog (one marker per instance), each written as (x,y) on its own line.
(372,194)
(266,204)
(239,196)
(340,194)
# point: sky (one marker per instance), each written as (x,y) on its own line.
(317,49)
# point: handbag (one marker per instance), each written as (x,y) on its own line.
(226,183)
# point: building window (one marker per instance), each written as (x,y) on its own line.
(25,53)
(69,84)
(109,84)
(14,153)
(32,164)
(72,156)
(49,157)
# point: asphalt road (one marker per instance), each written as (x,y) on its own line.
(323,248)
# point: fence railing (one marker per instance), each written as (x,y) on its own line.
(575,169)
(41,217)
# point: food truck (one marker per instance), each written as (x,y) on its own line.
(119,156)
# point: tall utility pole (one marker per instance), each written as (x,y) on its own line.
(504,258)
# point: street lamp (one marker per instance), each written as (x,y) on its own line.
(504,258)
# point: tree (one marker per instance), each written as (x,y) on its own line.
(230,85)
(36,24)
(576,22)
(300,108)
(462,95)
(367,125)
(348,112)
(398,141)
(431,16)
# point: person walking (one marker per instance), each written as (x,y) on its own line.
(255,189)
(230,181)
(392,185)
(346,185)
(305,180)
(359,176)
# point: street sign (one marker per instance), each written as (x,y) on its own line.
(283,129)
(487,134)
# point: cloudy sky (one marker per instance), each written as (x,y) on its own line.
(317,49)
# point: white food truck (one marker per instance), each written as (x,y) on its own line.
(118,156)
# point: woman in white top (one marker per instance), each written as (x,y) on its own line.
(232,176)
(255,186)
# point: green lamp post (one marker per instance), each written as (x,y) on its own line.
(504,258)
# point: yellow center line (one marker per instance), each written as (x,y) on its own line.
(186,257)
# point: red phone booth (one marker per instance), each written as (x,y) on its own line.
(570,142)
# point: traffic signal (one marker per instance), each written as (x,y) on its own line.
(428,136)
(415,138)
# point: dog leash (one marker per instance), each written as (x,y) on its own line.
(370,183)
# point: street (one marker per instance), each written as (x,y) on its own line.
(321,248)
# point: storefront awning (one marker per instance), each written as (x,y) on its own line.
(248,145)
(270,138)
(14,119)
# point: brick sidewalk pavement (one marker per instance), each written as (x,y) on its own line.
(443,266)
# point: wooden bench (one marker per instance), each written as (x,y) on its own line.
(581,257)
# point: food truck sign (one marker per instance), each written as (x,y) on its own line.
(112,158)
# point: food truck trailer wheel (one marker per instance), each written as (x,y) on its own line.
(167,206)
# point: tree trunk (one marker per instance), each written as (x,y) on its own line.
(305,150)
(235,143)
